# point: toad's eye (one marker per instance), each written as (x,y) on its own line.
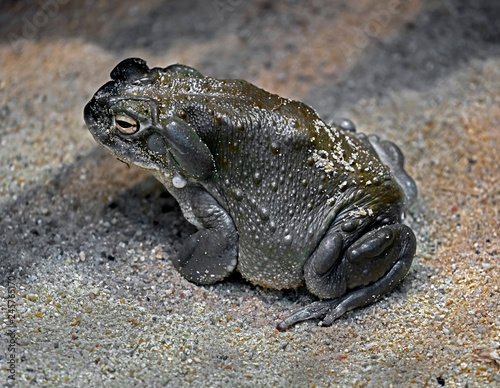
(126,125)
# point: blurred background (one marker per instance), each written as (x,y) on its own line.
(330,52)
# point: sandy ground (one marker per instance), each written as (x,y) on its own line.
(85,241)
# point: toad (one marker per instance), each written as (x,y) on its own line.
(275,192)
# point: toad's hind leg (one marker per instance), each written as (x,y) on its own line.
(359,272)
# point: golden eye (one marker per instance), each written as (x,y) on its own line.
(126,125)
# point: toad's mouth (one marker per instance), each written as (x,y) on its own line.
(132,161)
(137,164)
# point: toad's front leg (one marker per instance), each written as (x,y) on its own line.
(210,254)
(361,274)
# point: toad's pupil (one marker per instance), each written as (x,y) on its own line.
(124,124)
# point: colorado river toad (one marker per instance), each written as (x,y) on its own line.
(275,192)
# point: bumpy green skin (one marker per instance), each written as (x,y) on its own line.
(273,168)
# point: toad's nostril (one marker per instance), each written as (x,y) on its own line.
(96,120)
(130,69)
